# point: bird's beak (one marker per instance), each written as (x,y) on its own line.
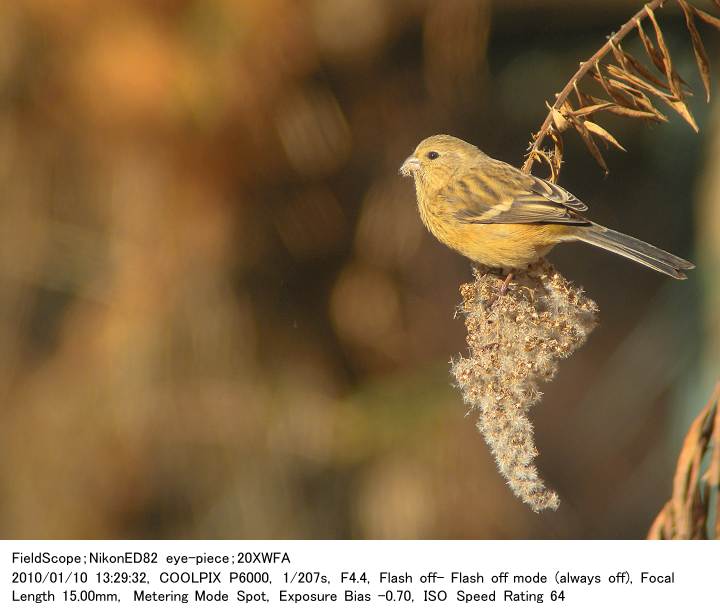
(410,166)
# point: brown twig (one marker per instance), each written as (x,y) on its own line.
(585,67)
(628,84)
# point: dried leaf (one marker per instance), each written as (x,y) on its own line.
(672,76)
(677,105)
(589,142)
(601,132)
(636,95)
(596,100)
(631,90)
(652,53)
(643,102)
(707,18)
(701,56)
(636,81)
(560,122)
(613,93)
(641,70)
(583,99)
(617,52)
(590,109)
(635,113)
(637,99)
(684,113)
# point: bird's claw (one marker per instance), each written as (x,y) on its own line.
(506,284)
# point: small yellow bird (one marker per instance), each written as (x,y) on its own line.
(499,216)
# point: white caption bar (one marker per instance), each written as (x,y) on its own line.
(371,577)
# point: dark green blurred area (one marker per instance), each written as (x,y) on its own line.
(220,316)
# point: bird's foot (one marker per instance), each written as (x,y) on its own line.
(506,284)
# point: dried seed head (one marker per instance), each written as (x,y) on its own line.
(515,342)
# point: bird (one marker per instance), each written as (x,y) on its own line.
(503,218)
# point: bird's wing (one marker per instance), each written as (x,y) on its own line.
(495,192)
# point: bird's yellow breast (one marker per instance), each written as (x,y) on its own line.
(495,245)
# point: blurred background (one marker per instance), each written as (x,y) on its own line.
(220,316)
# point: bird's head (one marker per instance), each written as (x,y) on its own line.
(437,158)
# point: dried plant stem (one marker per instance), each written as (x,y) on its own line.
(585,68)
(687,514)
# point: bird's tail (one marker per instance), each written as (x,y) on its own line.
(634,249)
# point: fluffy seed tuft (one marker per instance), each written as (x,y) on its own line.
(515,342)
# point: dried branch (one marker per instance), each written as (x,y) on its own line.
(687,514)
(629,85)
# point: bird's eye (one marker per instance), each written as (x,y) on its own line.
(432,155)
